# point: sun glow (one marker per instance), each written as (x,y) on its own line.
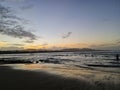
(3,44)
(56,46)
(33,47)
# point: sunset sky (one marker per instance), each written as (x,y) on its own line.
(57,24)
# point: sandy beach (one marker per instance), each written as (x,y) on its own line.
(16,79)
(27,80)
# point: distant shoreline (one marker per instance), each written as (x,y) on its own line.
(47,51)
(52,51)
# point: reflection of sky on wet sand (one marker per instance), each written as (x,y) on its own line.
(70,71)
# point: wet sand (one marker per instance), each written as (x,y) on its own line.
(13,79)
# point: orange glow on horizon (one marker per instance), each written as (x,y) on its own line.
(58,46)
(3,44)
(33,47)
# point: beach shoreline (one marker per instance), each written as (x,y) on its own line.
(29,80)
(16,79)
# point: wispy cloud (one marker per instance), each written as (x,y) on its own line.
(4,45)
(18,32)
(66,35)
(29,41)
(12,48)
(118,41)
(26,7)
(45,44)
(16,45)
(10,25)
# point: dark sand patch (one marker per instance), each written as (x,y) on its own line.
(11,79)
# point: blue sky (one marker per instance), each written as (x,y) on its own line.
(91,23)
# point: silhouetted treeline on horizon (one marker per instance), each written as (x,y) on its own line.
(45,51)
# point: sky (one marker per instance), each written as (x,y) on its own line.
(58,24)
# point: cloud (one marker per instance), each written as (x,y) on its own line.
(66,35)
(45,44)
(24,3)
(18,32)
(56,48)
(11,48)
(16,45)
(27,7)
(102,45)
(4,45)
(29,41)
(10,25)
(118,41)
